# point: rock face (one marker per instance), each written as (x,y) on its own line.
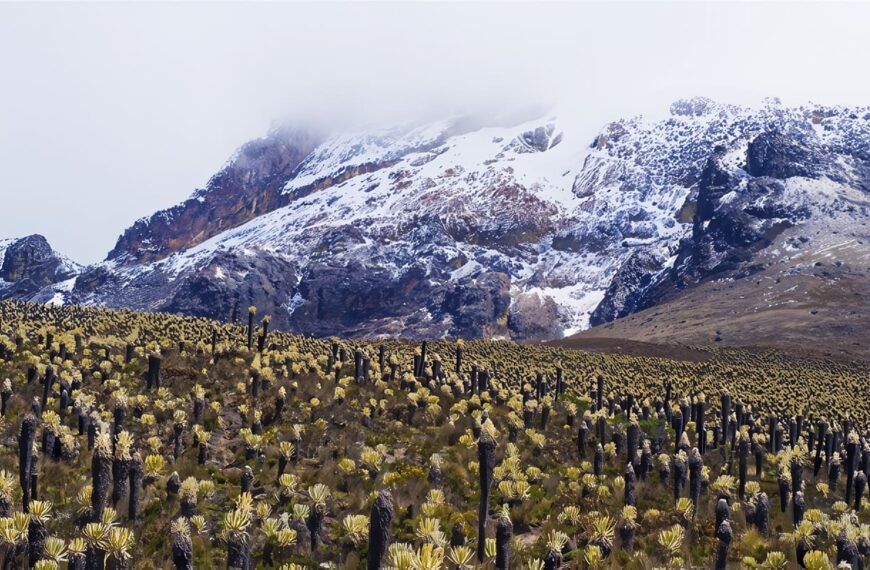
(776,155)
(786,169)
(230,284)
(799,180)
(525,231)
(29,264)
(629,291)
(248,186)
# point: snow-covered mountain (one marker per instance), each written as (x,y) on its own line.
(531,231)
(30,268)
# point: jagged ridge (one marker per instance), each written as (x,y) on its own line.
(527,232)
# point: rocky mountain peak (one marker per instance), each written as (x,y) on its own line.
(522,231)
(694,107)
(29,264)
(249,185)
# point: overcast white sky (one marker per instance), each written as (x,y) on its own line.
(109,112)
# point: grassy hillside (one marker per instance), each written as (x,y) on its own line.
(815,302)
(249,448)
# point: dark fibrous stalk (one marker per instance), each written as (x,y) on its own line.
(860,486)
(834,472)
(664,468)
(247,479)
(799,508)
(552,560)
(598,461)
(486,460)
(101,473)
(37,531)
(251,312)
(173,484)
(632,442)
(810,439)
(627,528)
(76,561)
(47,383)
(136,474)
(48,437)
(599,392)
(5,394)
(25,455)
(255,385)
(829,446)
(153,375)
(700,425)
(742,457)
(315,523)
(724,535)
(92,430)
(847,552)
(435,476)
(380,519)
(423,349)
(261,341)
(817,462)
(678,468)
(696,463)
(685,411)
(198,409)
(121,466)
(762,514)
(503,532)
(677,424)
(34,475)
(630,479)
(645,460)
(758,452)
(771,433)
(296,440)
(851,463)
(178,440)
(182,547)
(187,497)
(600,428)
(280,402)
(782,484)
(797,474)
(528,416)
(238,552)
(723,512)
(457,538)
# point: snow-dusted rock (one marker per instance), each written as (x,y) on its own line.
(525,231)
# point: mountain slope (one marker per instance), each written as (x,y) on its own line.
(31,269)
(527,231)
(248,186)
(807,292)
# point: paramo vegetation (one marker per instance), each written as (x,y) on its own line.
(146,440)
